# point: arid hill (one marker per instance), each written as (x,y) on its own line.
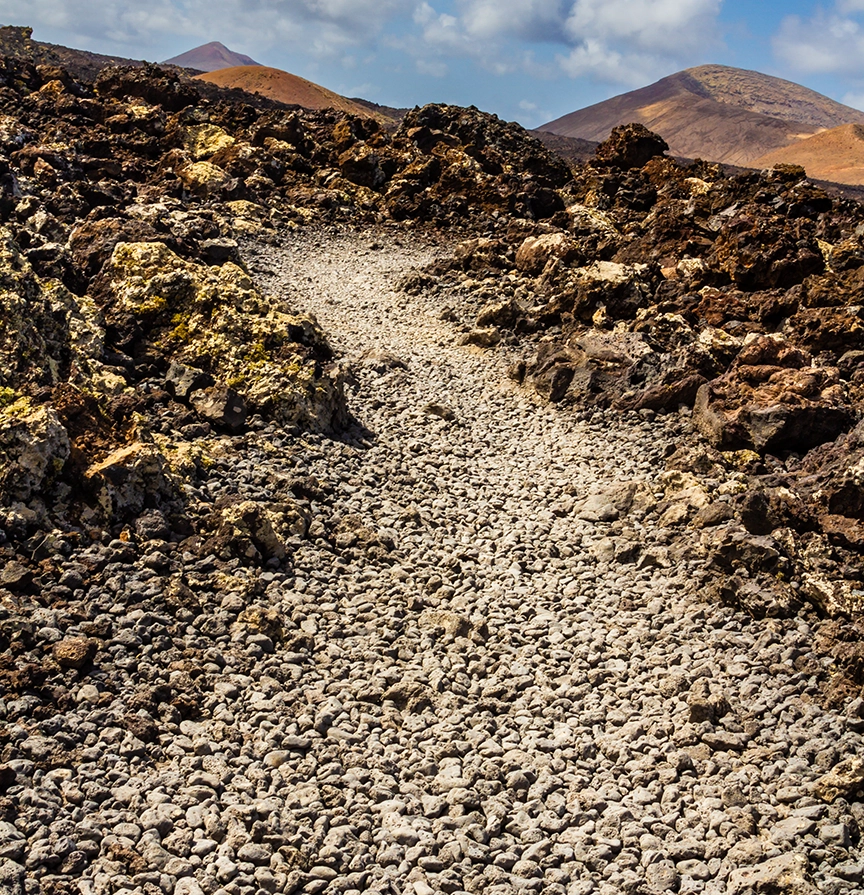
(714,112)
(283,87)
(836,155)
(210,57)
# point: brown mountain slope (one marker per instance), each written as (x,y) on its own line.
(210,57)
(714,112)
(836,155)
(283,87)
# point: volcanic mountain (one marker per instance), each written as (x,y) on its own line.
(284,88)
(715,112)
(210,57)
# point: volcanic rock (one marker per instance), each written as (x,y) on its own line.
(220,405)
(769,400)
(74,652)
(34,447)
(629,146)
(129,479)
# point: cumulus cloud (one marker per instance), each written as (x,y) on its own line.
(531,20)
(616,41)
(656,26)
(322,26)
(629,42)
(622,42)
(828,42)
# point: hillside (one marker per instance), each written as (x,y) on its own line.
(283,87)
(836,155)
(714,112)
(210,57)
(16,43)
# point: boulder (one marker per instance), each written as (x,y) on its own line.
(757,252)
(362,165)
(74,652)
(181,380)
(150,83)
(481,253)
(92,242)
(784,875)
(254,531)
(482,337)
(221,406)
(500,313)
(555,367)
(629,146)
(536,251)
(205,178)
(34,447)
(770,400)
(202,141)
(616,291)
(278,363)
(129,479)
(844,780)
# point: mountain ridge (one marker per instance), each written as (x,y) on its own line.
(285,87)
(714,112)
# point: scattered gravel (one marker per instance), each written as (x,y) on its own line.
(488,668)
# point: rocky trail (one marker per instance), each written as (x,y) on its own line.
(598,632)
(461,679)
(499,696)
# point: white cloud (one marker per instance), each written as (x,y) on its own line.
(613,41)
(827,42)
(656,26)
(630,42)
(534,20)
(594,58)
(323,27)
(621,42)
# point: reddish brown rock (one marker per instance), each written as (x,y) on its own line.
(629,146)
(770,401)
(74,652)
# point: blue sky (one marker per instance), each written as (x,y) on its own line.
(526,60)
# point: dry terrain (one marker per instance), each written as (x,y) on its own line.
(283,87)
(407,511)
(714,112)
(836,155)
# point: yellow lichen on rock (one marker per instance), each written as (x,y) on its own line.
(129,477)
(34,446)
(215,317)
(203,177)
(202,141)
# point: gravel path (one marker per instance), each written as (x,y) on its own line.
(554,717)
(468,682)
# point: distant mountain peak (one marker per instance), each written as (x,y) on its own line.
(211,57)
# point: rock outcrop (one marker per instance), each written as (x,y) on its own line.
(732,298)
